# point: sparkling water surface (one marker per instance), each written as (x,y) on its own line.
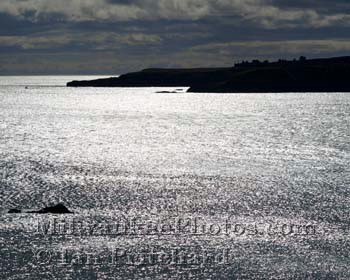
(273,165)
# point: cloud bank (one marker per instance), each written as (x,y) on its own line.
(116,36)
(266,13)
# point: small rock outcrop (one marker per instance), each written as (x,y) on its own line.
(57,209)
(14,211)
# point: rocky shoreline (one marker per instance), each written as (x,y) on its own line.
(315,75)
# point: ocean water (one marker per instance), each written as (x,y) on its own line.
(173,185)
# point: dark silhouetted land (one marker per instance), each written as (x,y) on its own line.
(302,75)
(57,209)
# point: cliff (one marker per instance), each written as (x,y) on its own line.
(317,75)
(161,78)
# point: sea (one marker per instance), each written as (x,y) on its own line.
(172,185)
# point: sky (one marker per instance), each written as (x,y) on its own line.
(111,37)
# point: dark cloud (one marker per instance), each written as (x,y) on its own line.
(105,36)
(326,6)
(267,13)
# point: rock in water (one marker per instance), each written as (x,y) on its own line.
(57,209)
(14,211)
